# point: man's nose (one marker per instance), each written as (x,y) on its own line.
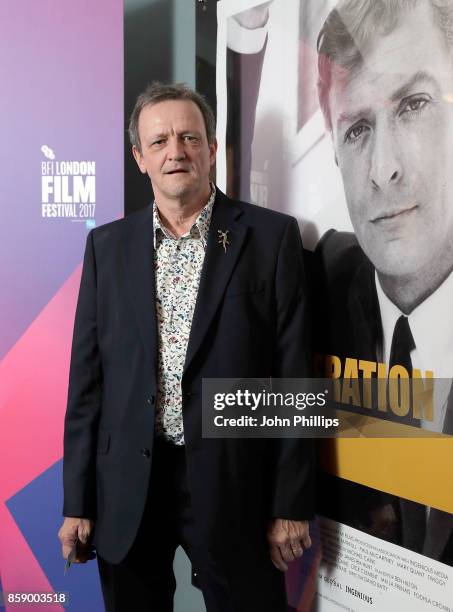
(386,166)
(176,149)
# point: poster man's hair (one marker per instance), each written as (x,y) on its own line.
(352,27)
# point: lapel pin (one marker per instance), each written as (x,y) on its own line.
(223,239)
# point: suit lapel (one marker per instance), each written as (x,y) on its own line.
(217,269)
(138,258)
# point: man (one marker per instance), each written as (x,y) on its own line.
(195,286)
(385,87)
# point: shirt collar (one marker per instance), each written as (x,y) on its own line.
(431,325)
(199,229)
(389,316)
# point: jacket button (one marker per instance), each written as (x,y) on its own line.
(145,452)
(150,399)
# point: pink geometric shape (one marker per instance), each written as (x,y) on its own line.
(33,392)
(21,573)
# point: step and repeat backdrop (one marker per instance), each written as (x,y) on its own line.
(341,114)
(61,68)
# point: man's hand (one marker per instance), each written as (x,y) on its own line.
(287,540)
(75,532)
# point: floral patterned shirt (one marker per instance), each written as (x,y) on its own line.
(177,268)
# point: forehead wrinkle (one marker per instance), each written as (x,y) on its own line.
(402,91)
(346,90)
(158,131)
(394,50)
(158,134)
(419,77)
(349,118)
(376,53)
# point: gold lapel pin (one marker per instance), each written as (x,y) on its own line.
(223,239)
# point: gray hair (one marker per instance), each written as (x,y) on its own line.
(352,27)
(160,92)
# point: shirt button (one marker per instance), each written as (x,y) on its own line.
(150,399)
(146,453)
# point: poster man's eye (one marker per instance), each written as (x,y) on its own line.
(414,104)
(356,132)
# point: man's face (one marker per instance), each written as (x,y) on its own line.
(175,151)
(392,127)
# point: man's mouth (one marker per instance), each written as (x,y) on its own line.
(395,213)
(176,171)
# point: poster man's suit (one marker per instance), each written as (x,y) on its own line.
(352,328)
(250,320)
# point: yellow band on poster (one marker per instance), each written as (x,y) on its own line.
(420,469)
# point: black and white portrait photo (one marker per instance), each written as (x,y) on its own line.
(341,114)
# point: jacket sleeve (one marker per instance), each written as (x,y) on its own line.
(293,494)
(84,399)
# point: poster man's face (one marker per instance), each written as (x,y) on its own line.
(392,125)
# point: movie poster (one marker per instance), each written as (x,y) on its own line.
(341,114)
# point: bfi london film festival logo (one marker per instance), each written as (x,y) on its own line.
(68,189)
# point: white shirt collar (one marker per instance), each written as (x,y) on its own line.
(201,223)
(431,325)
(244,40)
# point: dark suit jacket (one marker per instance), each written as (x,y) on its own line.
(349,325)
(250,320)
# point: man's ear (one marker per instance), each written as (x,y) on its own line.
(139,159)
(213,151)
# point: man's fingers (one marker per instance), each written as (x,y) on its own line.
(277,560)
(75,534)
(282,542)
(300,543)
(297,549)
(66,549)
(290,539)
(286,552)
(306,540)
(299,533)
(85,550)
(83,533)
(68,541)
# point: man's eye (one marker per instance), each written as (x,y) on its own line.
(413,105)
(158,142)
(356,132)
(189,138)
